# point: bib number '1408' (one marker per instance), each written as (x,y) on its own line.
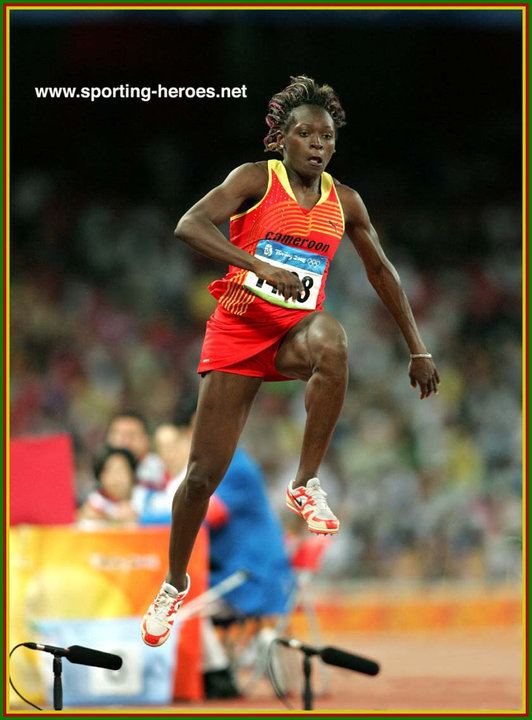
(307,266)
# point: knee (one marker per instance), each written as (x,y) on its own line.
(329,349)
(202,480)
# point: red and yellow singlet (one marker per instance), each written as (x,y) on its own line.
(251,316)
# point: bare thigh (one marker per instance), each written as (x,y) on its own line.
(224,402)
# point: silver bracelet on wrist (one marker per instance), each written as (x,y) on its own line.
(413,356)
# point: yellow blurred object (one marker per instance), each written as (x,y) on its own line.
(201,302)
(66,573)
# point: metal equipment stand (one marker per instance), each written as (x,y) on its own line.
(58,687)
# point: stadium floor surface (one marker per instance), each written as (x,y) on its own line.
(448,671)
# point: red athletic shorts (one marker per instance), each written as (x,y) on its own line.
(247,344)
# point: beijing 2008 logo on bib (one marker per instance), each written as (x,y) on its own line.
(309,267)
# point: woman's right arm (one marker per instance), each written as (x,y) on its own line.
(198,227)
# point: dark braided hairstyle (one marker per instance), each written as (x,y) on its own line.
(301,91)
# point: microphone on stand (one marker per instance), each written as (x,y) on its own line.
(334,656)
(343,659)
(80,655)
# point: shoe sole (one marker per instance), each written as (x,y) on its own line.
(294,507)
(154,644)
(149,644)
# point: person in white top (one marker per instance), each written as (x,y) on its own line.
(113,500)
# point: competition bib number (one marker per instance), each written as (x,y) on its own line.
(309,267)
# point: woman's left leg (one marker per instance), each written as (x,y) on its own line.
(315,350)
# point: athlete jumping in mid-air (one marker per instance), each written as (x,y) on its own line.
(287,218)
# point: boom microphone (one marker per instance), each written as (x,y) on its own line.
(81,655)
(343,659)
(334,656)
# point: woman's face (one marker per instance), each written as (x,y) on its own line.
(116,478)
(310,140)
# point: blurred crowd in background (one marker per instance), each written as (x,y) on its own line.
(108,312)
(426,488)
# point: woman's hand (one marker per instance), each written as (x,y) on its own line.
(285,282)
(423,373)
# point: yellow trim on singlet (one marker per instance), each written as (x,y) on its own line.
(341,211)
(254,207)
(280,171)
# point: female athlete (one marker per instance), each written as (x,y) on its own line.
(287,218)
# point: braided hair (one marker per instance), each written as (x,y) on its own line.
(301,91)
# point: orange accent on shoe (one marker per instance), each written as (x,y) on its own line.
(310,504)
(159,619)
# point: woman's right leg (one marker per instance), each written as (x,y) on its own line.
(224,402)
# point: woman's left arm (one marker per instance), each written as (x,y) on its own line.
(385,279)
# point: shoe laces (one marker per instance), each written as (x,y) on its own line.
(318,494)
(163,604)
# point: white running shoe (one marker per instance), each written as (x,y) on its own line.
(310,503)
(158,621)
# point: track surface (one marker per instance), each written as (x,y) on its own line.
(446,671)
